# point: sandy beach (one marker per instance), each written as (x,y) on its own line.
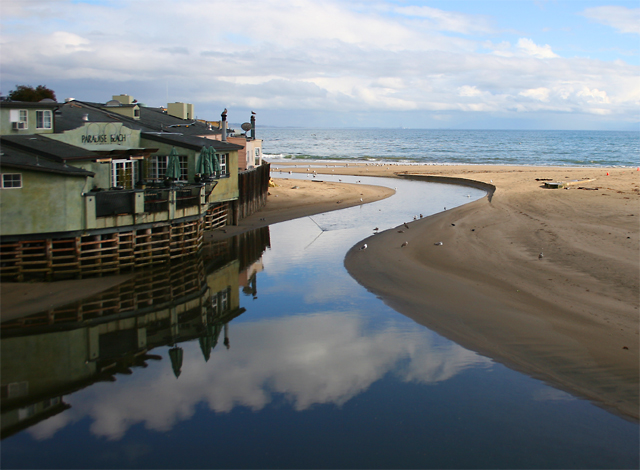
(569,318)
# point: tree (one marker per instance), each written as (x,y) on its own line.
(28,93)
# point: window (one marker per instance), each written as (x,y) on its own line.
(224,159)
(19,118)
(43,119)
(11,180)
(158,168)
(124,173)
(257,151)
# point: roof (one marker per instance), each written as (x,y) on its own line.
(190,142)
(39,144)
(29,104)
(16,158)
(71,116)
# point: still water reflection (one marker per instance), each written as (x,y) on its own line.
(264,353)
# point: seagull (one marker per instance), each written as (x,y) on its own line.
(363,247)
(406,225)
(540,255)
(439,243)
(376,229)
(404,244)
(253,112)
(360,199)
(400,231)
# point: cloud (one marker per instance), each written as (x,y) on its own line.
(625,20)
(321,358)
(532,49)
(372,60)
(450,21)
(541,94)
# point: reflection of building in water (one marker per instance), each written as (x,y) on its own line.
(55,353)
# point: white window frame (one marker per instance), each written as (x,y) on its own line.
(19,115)
(44,119)
(125,163)
(158,168)
(224,161)
(18,179)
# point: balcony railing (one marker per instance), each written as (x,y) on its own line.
(157,198)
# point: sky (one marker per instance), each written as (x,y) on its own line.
(509,64)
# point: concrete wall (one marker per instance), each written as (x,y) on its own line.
(47,202)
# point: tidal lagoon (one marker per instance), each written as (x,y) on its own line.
(272,356)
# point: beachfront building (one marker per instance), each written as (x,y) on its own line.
(102,194)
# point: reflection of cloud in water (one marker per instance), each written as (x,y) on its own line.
(324,358)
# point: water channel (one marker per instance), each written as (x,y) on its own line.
(265,353)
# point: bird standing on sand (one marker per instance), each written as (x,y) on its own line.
(406,225)
(404,244)
(540,256)
(363,247)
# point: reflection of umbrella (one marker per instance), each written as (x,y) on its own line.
(175,354)
(173,165)
(209,340)
(205,346)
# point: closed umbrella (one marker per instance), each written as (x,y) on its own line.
(216,163)
(173,165)
(202,161)
(208,164)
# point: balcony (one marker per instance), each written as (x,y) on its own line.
(153,203)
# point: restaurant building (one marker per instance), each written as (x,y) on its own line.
(95,189)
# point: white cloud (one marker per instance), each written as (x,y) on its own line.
(450,21)
(625,20)
(532,49)
(327,358)
(375,60)
(541,94)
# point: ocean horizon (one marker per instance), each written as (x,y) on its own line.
(452,146)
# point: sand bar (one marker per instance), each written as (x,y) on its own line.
(569,318)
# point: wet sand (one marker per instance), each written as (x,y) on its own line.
(569,317)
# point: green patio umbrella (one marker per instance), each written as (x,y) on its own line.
(202,161)
(208,164)
(216,162)
(173,165)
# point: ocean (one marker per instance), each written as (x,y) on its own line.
(431,146)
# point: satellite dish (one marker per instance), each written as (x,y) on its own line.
(246,126)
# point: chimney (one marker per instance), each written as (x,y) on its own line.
(253,126)
(224,125)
